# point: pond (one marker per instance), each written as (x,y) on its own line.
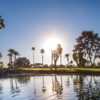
(53,87)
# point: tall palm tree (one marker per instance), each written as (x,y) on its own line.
(59,50)
(55,57)
(67,57)
(0,55)
(2,25)
(16,53)
(1,63)
(10,58)
(33,49)
(10,54)
(51,57)
(42,52)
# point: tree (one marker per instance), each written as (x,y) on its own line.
(1,63)
(42,52)
(12,53)
(59,50)
(55,57)
(78,58)
(22,62)
(2,25)
(15,53)
(33,49)
(67,57)
(87,47)
(10,59)
(0,55)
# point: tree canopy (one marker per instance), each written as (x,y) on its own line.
(22,62)
(87,48)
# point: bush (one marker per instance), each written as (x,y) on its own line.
(22,62)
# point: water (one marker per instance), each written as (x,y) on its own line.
(54,87)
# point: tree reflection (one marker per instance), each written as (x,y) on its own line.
(57,86)
(23,80)
(78,83)
(15,89)
(14,86)
(43,85)
(34,83)
(68,81)
(87,91)
(11,85)
(1,88)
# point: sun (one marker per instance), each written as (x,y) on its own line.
(51,43)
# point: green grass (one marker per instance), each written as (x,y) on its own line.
(61,69)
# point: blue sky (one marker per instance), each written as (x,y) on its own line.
(30,22)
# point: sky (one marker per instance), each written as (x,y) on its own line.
(32,22)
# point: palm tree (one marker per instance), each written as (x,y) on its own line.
(55,57)
(42,52)
(67,57)
(59,50)
(0,55)
(10,59)
(10,54)
(15,54)
(1,63)
(33,49)
(2,25)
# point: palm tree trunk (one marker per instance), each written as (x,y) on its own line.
(9,60)
(60,59)
(14,58)
(42,59)
(55,64)
(68,61)
(33,58)
(51,59)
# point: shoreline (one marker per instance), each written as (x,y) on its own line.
(49,71)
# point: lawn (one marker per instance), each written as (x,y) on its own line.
(65,70)
(60,70)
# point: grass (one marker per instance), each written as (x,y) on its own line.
(60,70)
(65,70)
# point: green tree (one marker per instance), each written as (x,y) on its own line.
(22,62)
(87,47)
(2,25)
(42,52)
(10,54)
(10,59)
(78,58)
(0,55)
(15,53)
(67,57)
(1,63)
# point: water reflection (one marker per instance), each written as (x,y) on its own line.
(14,88)
(43,85)
(87,91)
(57,86)
(34,86)
(77,87)
(23,80)
(1,88)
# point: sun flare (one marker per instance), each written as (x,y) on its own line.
(51,43)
